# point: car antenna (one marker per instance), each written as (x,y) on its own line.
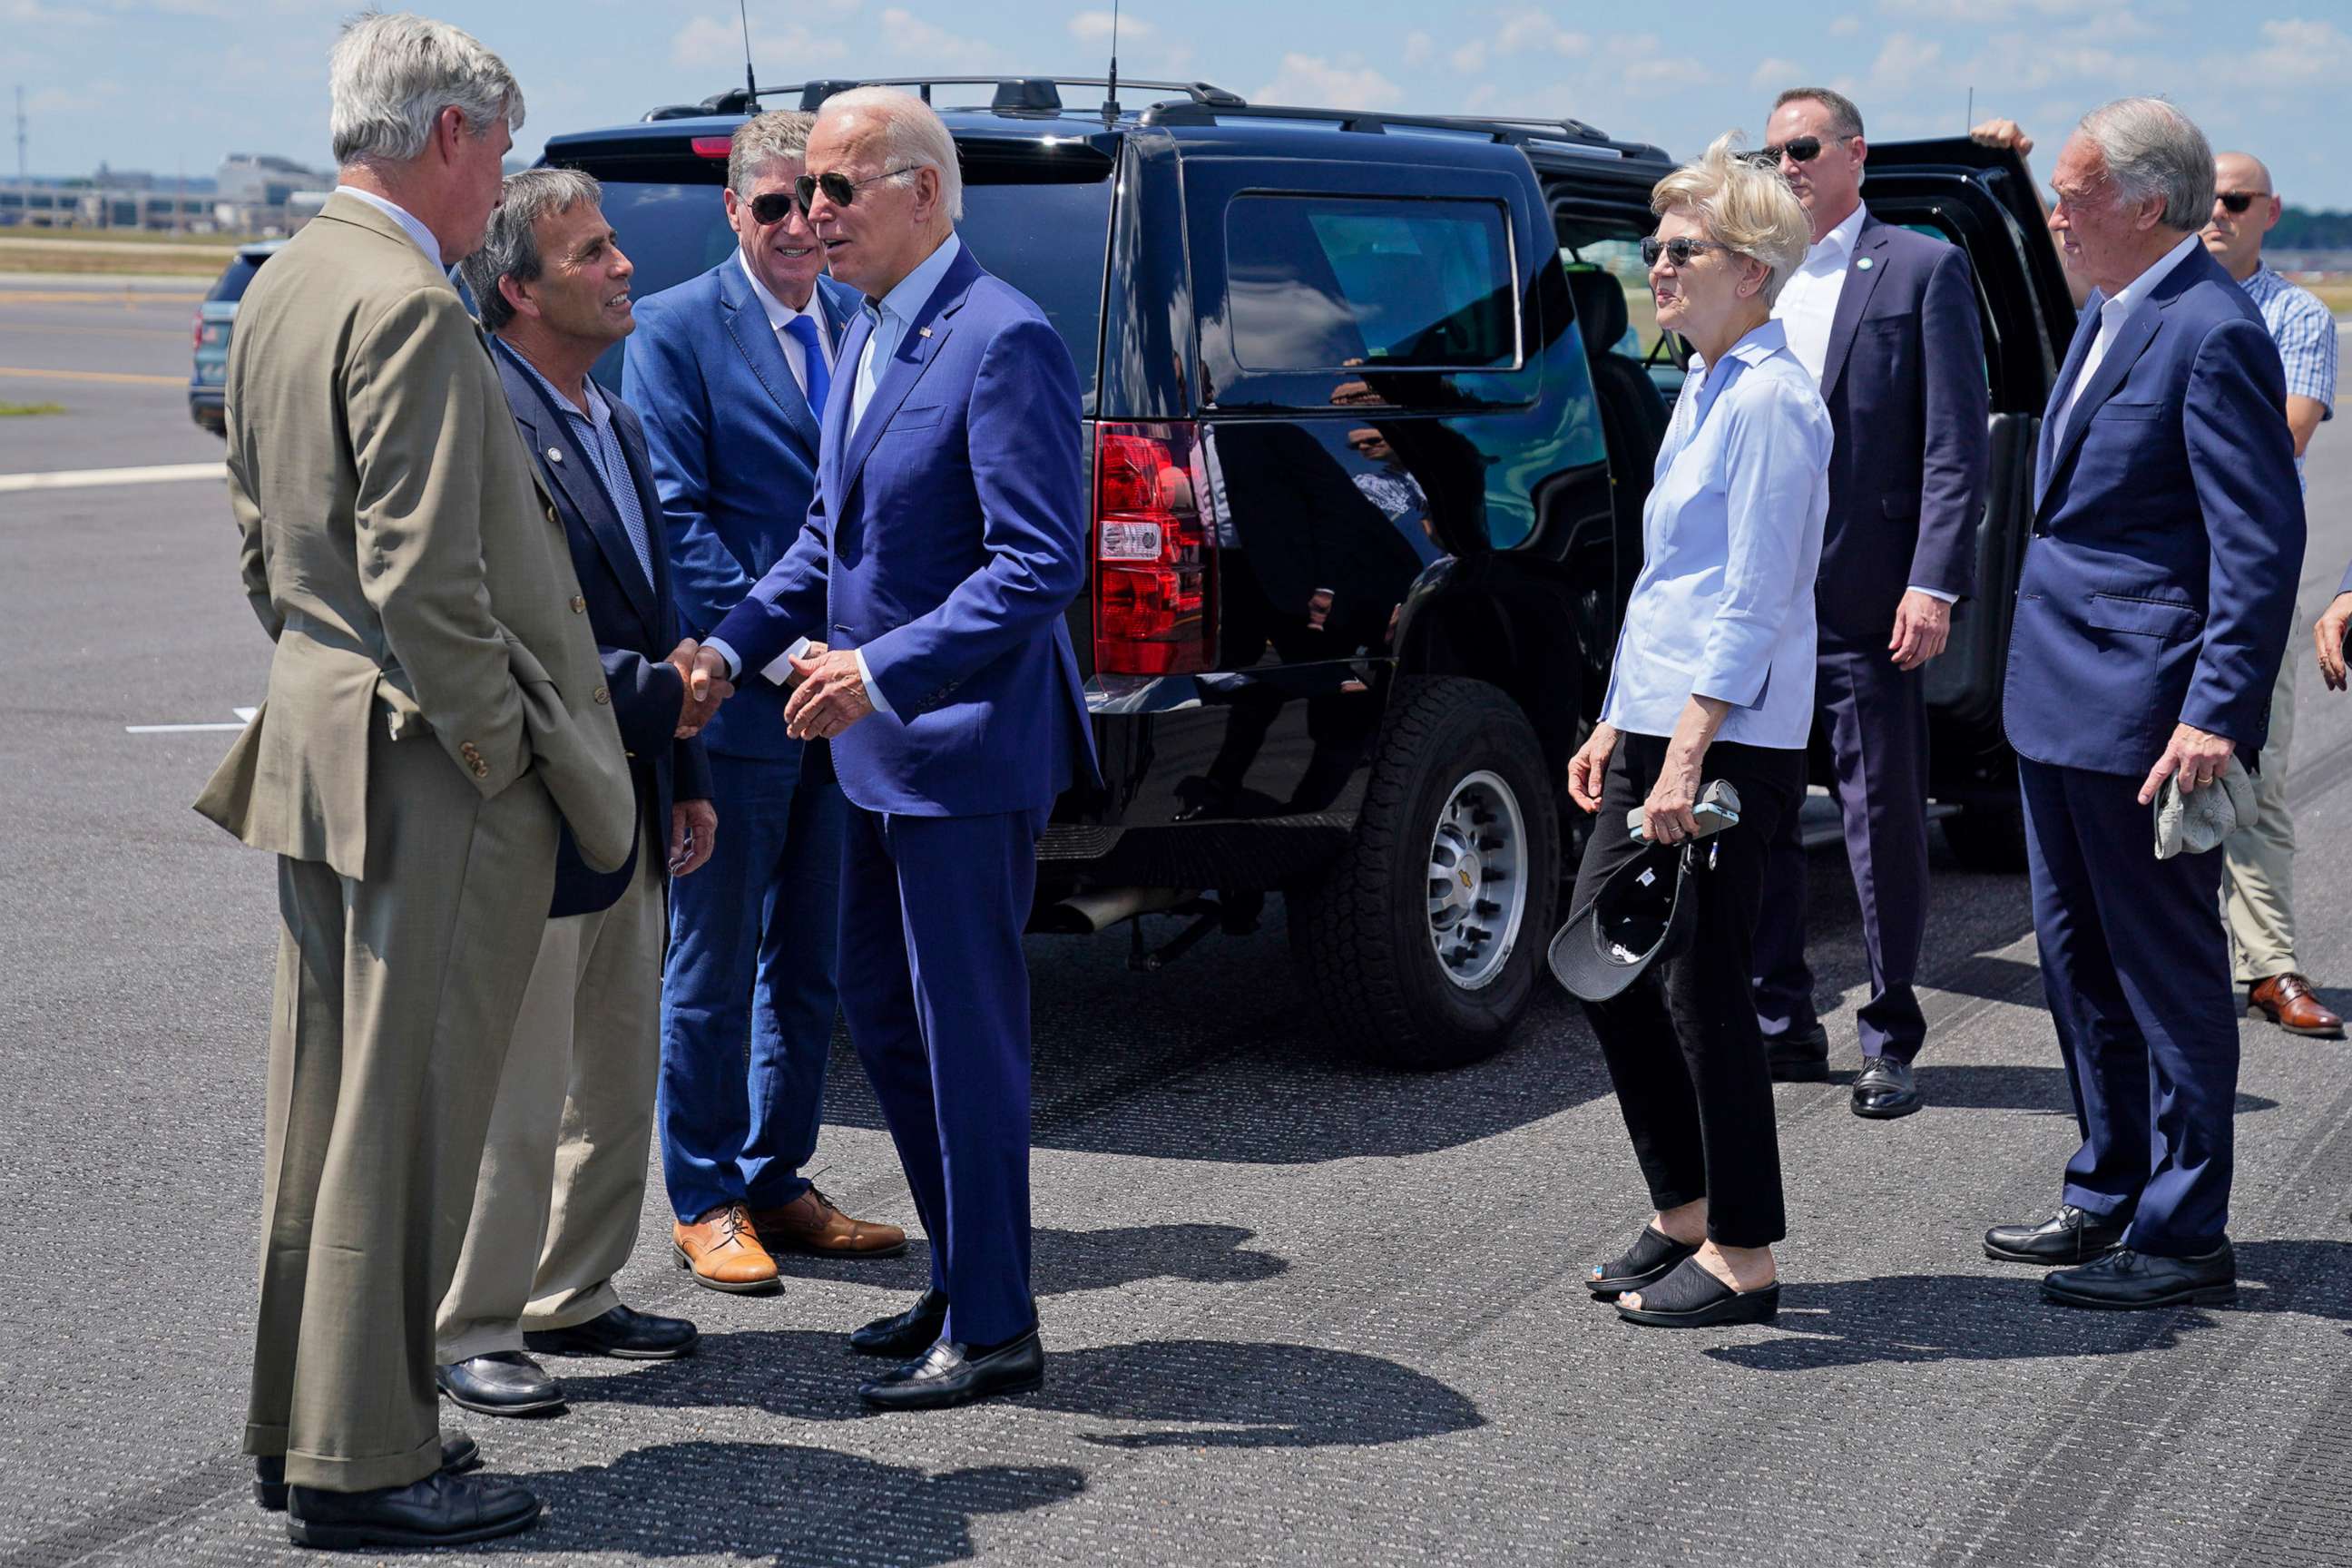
(751,83)
(1110,96)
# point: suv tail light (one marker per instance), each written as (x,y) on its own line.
(1154,540)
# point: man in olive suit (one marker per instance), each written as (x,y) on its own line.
(435,706)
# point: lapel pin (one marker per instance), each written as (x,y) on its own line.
(922,331)
(555,454)
(1865,264)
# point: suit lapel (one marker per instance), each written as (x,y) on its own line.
(930,327)
(641,474)
(747,323)
(1863,269)
(836,412)
(2086,329)
(2133,334)
(550,433)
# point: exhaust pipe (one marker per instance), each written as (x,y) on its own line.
(1099,909)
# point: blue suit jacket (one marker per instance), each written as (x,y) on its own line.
(2160,585)
(635,625)
(1904,383)
(948,536)
(734,449)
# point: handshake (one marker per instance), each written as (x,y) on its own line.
(828,690)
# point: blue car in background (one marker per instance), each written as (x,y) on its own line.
(213,318)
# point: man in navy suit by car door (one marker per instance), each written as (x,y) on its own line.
(948,538)
(730,371)
(1886,321)
(2155,605)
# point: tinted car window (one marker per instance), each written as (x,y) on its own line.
(232,282)
(1326,282)
(1048,240)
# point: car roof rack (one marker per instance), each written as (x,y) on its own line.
(1029,94)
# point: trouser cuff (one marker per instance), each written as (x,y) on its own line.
(482,1339)
(265,1442)
(330,1473)
(572,1313)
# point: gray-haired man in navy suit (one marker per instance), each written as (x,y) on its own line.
(1886,321)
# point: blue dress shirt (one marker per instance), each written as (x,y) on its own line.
(597,437)
(892,314)
(1731,540)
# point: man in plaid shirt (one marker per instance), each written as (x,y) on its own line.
(2259,884)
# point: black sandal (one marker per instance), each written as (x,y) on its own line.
(1691,1297)
(1653,1257)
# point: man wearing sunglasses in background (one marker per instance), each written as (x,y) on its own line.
(1886,319)
(729,372)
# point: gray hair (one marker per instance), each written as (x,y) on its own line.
(762,139)
(1747,206)
(2151,149)
(1845,118)
(913,137)
(511,245)
(392,76)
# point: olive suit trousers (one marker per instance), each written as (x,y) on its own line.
(397,995)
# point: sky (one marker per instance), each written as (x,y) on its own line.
(169,86)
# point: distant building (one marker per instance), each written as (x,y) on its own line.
(261,193)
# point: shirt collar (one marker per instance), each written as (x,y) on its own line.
(407,220)
(2262,281)
(2127,298)
(1839,241)
(915,289)
(1760,344)
(597,413)
(779,315)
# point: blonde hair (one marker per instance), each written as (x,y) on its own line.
(1744,205)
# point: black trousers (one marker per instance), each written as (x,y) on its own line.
(1680,1042)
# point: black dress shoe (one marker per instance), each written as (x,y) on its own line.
(441,1510)
(907,1333)
(1798,1054)
(504,1383)
(1884,1090)
(458,1455)
(950,1374)
(2070,1236)
(631,1336)
(2125,1280)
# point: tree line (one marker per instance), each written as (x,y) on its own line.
(2299,229)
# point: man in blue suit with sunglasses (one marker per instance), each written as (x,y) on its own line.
(922,608)
(730,371)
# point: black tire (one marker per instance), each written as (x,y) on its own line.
(1362,935)
(1989,839)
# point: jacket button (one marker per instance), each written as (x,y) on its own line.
(603,694)
(481,769)
(579,606)
(551,514)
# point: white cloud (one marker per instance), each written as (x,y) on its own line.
(1315,82)
(1530,31)
(1420,48)
(1845,26)
(1471,57)
(2298,51)
(1095,27)
(1977,12)
(904,33)
(1773,74)
(1903,60)
(1643,61)
(707,43)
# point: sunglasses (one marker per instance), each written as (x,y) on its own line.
(2239,201)
(839,188)
(1678,250)
(774,207)
(1796,149)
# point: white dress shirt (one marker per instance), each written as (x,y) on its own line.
(1809,299)
(780,317)
(1731,541)
(422,235)
(2111,318)
(1808,307)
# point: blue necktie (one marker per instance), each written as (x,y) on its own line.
(820,381)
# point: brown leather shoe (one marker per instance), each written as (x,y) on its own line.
(724,1250)
(2286,999)
(811,1224)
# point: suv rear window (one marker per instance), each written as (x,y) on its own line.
(1332,282)
(1048,240)
(233,282)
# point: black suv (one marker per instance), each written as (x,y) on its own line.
(1372,406)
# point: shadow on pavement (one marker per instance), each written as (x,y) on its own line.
(1066,1261)
(782,1503)
(1971,1317)
(1225,1393)
(2007,1087)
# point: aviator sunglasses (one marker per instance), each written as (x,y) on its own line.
(1798,149)
(1678,250)
(839,189)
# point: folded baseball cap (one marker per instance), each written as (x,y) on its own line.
(1639,915)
